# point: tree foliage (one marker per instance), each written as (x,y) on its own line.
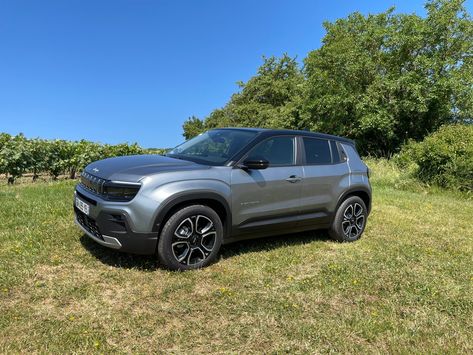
(15,156)
(269,99)
(193,127)
(444,158)
(383,79)
(380,79)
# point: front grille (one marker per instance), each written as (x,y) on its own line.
(92,183)
(88,223)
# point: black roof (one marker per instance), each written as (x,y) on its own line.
(272,132)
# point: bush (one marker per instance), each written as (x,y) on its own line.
(19,155)
(444,158)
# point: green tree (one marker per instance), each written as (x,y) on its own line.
(379,79)
(271,98)
(192,127)
(382,79)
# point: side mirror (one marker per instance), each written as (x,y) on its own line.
(255,164)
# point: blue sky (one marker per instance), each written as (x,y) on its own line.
(133,71)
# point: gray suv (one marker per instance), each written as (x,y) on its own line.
(223,186)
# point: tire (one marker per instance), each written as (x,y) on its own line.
(190,239)
(350,220)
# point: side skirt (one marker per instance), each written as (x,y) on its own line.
(253,230)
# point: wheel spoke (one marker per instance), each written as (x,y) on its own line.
(194,257)
(208,241)
(360,221)
(357,209)
(351,231)
(357,229)
(180,250)
(185,229)
(348,212)
(203,224)
(346,225)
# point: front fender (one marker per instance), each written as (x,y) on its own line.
(172,194)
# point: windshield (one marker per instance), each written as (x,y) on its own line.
(213,147)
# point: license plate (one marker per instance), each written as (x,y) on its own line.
(82,206)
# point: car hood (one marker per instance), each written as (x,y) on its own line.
(133,168)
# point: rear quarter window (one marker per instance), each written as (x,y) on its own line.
(341,152)
(335,153)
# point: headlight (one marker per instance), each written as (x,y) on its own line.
(116,191)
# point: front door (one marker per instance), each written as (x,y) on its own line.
(268,196)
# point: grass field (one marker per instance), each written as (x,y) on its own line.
(406,286)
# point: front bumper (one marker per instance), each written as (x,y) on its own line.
(112,229)
(104,240)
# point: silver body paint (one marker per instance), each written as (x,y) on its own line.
(255,202)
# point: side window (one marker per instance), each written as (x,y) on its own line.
(278,151)
(341,151)
(335,154)
(317,151)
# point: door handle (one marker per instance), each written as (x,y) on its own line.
(293,178)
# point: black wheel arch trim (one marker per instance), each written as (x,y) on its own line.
(353,191)
(175,200)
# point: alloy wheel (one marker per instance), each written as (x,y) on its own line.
(194,239)
(353,220)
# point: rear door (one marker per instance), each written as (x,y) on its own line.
(269,196)
(325,174)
